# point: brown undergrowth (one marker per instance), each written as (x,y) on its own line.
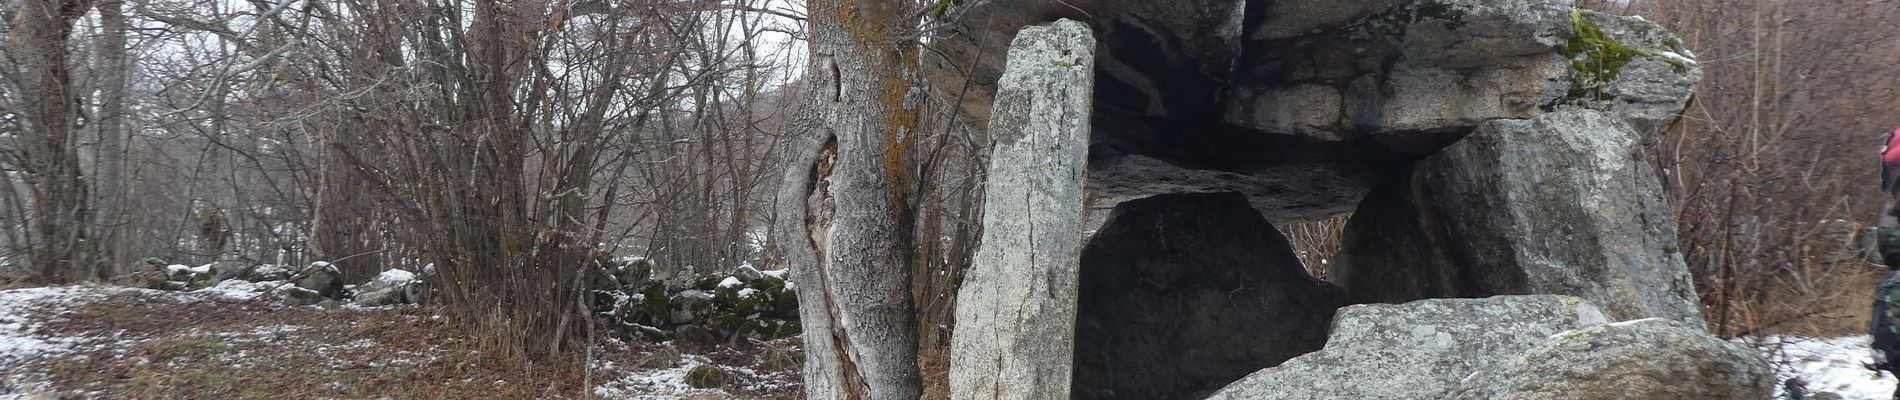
(141,344)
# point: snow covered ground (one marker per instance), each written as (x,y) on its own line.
(38,329)
(235,340)
(1833,365)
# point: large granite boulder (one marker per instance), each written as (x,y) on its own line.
(1181,294)
(1564,203)
(1304,105)
(1017,308)
(1416,350)
(1649,359)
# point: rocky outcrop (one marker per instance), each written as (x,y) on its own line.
(1017,307)
(1181,294)
(1495,144)
(1304,105)
(1564,203)
(1417,350)
(1651,359)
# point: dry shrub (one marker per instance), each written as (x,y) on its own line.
(1776,153)
(1316,242)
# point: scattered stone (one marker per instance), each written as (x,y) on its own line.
(387,288)
(230,269)
(727,308)
(268,273)
(694,336)
(706,376)
(661,358)
(323,278)
(747,273)
(418,291)
(298,296)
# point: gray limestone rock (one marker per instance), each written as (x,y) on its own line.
(1561,204)
(1649,359)
(1416,350)
(322,277)
(1017,307)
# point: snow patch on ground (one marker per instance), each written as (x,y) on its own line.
(22,339)
(240,290)
(1833,365)
(19,337)
(29,318)
(670,383)
(396,276)
(649,384)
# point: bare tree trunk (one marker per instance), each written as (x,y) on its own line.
(846,212)
(340,216)
(61,215)
(109,167)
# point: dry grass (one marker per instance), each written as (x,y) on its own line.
(233,350)
(1839,305)
(1316,242)
(211,349)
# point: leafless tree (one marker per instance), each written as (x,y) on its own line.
(60,247)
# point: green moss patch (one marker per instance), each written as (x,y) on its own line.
(1596,58)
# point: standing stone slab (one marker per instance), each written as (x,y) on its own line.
(1564,203)
(1016,310)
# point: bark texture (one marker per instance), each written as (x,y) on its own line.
(61,244)
(109,168)
(847,218)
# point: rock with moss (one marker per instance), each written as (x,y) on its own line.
(690,306)
(1416,350)
(185,277)
(695,337)
(633,271)
(653,304)
(706,376)
(748,273)
(664,357)
(1650,359)
(1628,67)
(746,303)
